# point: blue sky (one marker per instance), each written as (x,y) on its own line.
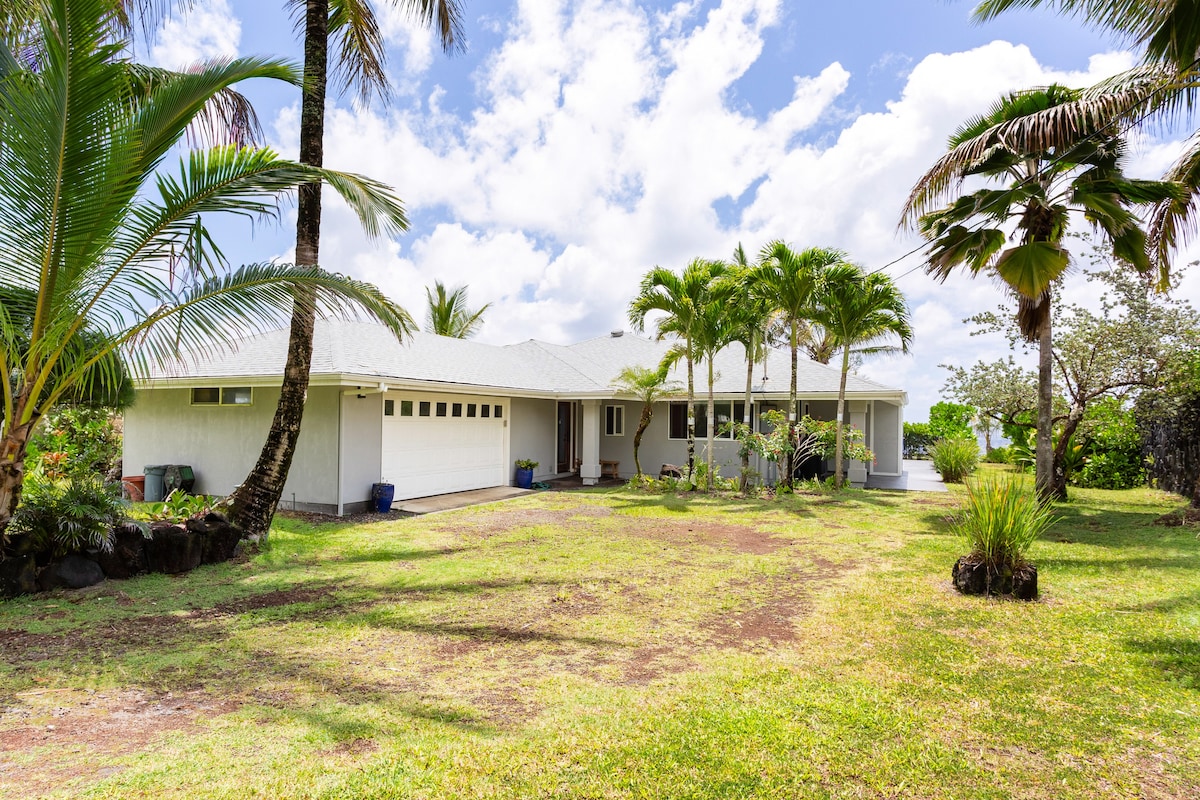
(577,143)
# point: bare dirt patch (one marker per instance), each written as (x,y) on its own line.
(741,538)
(87,729)
(1183,517)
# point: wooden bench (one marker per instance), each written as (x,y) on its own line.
(611,468)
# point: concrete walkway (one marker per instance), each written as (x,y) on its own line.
(446,502)
(918,476)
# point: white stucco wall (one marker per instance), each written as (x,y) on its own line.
(886,438)
(532,435)
(361,424)
(657,448)
(221,443)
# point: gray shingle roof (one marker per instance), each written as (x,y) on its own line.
(365,349)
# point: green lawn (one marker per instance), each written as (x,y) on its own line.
(613,644)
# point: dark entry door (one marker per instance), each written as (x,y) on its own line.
(565,448)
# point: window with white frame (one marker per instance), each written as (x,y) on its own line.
(614,420)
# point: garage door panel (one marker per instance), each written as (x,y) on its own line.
(432,455)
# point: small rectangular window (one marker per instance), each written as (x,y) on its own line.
(236,396)
(222,396)
(389,408)
(406,408)
(207,396)
(614,420)
(424,408)
(485,411)
(441,409)
(678,421)
(498,412)
(471,409)
(457,412)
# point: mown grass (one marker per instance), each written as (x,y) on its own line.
(613,644)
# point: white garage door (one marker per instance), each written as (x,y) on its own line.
(435,444)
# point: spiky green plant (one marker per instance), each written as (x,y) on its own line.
(68,515)
(1000,520)
(955,458)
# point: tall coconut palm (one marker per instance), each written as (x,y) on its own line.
(1166,85)
(680,298)
(360,53)
(448,313)
(88,222)
(861,313)
(1039,191)
(790,278)
(650,386)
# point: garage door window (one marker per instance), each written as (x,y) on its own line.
(485,411)
(406,408)
(441,409)
(457,410)
(389,408)
(498,412)
(470,409)
(424,408)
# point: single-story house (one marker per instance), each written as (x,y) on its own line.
(434,415)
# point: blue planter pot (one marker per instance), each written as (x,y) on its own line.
(524,478)
(382,495)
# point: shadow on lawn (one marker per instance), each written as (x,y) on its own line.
(1178,657)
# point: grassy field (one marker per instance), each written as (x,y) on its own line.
(613,644)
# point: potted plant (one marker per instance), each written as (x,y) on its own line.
(525,467)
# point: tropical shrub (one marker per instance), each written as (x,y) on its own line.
(813,437)
(76,441)
(1114,459)
(179,506)
(67,515)
(955,458)
(917,439)
(999,522)
(997,455)
(951,420)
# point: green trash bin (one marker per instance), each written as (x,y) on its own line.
(154,482)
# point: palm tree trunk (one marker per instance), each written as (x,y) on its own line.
(13,448)
(841,410)
(1044,452)
(793,408)
(712,423)
(253,504)
(691,419)
(744,482)
(643,423)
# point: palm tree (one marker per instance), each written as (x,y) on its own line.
(1041,189)
(790,279)
(681,299)
(650,386)
(360,63)
(860,311)
(750,316)
(87,222)
(448,314)
(714,330)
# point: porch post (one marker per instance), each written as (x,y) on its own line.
(589,469)
(857,471)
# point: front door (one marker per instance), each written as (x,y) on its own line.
(565,450)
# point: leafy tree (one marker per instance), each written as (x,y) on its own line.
(917,439)
(448,313)
(1129,346)
(1040,187)
(861,311)
(790,279)
(87,222)
(1169,421)
(681,299)
(950,420)
(650,386)
(1111,447)
(359,51)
